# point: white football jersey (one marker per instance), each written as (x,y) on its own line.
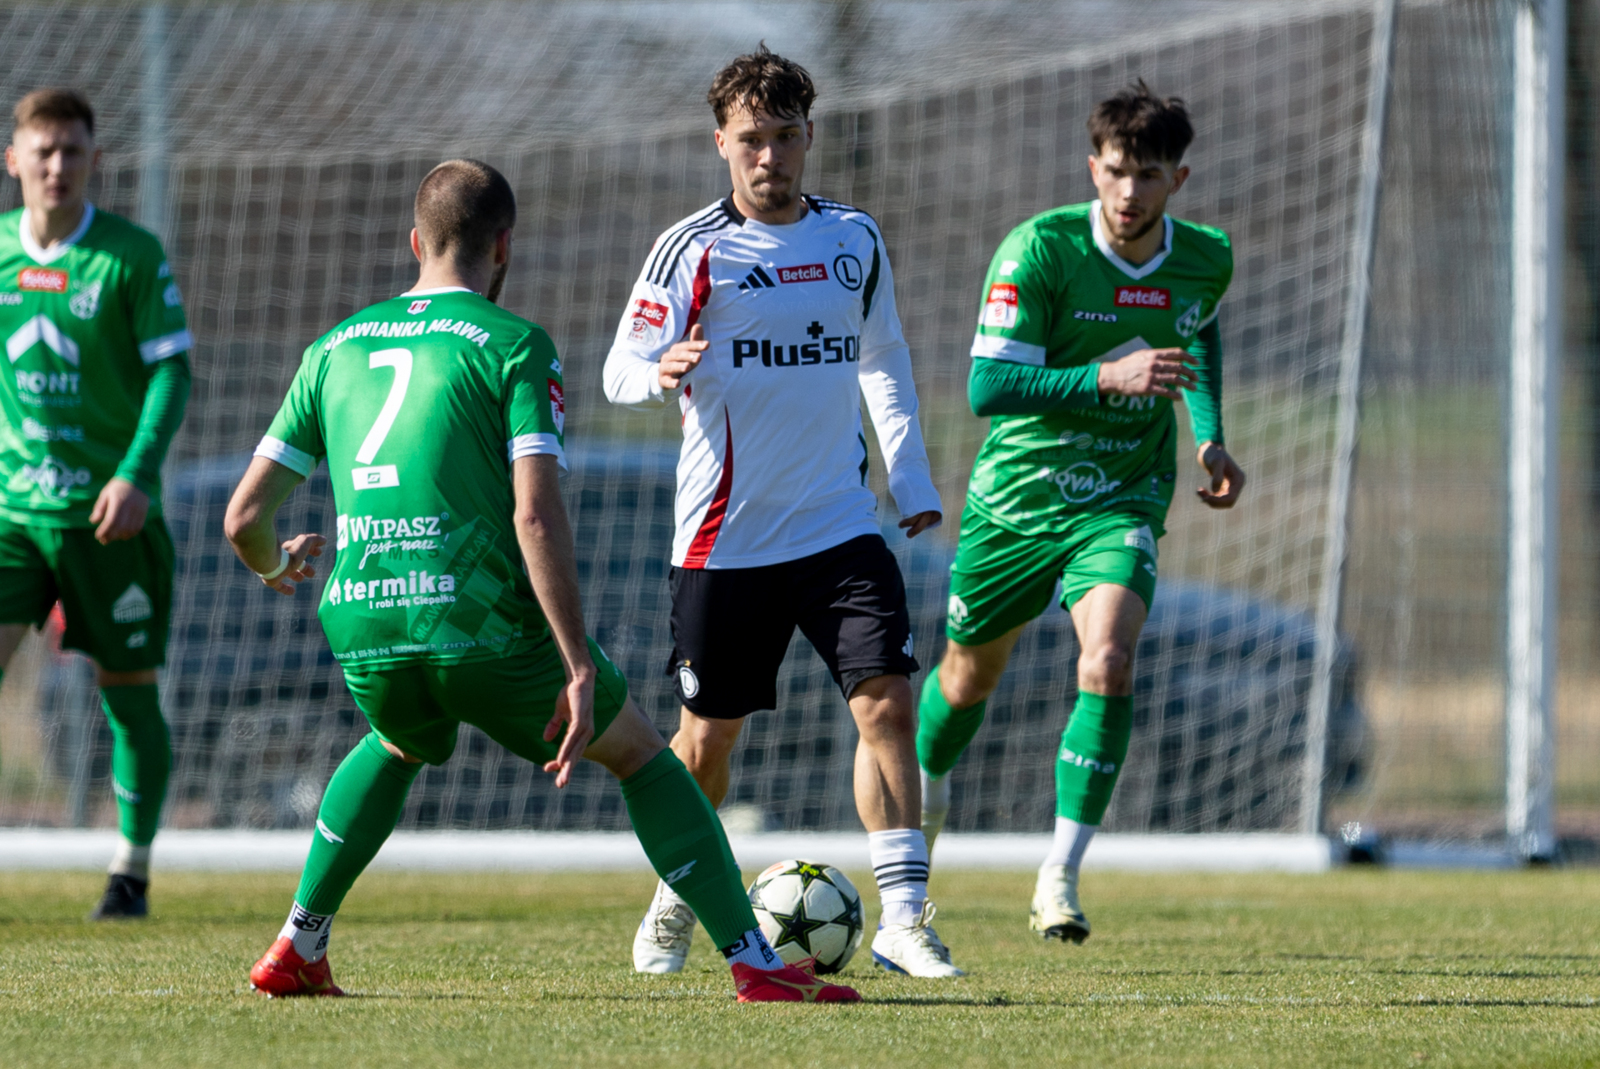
(802,324)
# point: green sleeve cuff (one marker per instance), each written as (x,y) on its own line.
(1004,388)
(1205,399)
(165,398)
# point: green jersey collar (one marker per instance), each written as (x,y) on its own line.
(1149,267)
(42,255)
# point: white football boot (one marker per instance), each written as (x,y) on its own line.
(935,805)
(913,949)
(1056,913)
(661,945)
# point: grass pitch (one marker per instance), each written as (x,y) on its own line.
(1353,968)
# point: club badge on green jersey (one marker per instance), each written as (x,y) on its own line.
(420,404)
(82,321)
(1057,296)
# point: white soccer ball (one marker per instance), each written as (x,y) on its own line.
(808,910)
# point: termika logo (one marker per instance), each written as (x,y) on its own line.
(1143,297)
(42,280)
(808,273)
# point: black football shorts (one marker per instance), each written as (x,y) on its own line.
(732,626)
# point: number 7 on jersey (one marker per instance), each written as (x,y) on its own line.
(384,474)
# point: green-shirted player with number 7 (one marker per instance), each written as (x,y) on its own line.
(453,597)
(1095,318)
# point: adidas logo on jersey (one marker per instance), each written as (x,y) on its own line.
(757,279)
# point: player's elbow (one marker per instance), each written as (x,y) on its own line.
(242,517)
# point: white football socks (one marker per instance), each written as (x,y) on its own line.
(935,804)
(753,950)
(1070,842)
(130,860)
(900,864)
(308,932)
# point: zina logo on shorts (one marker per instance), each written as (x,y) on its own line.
(1082,482)
(688,682)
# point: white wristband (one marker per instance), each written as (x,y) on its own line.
(283,566)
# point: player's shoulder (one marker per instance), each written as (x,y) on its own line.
(122,237)
(1061,236)
(1200,241)
(830,210)
(688,235)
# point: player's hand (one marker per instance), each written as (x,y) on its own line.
(575,708)
(915,525)
(119,511)
(1149,373)
(301,549)
(1227,478)
(682,358)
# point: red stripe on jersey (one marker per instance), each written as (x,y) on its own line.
(706,537)
(702,290)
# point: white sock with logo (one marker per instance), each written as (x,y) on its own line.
(1070,842)
(900,864)
(308,931)
(753,950)
(130,860)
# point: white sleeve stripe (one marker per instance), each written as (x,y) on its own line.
(1206,322)
(296,460)
(533,445)
(167,345)
(1017,352)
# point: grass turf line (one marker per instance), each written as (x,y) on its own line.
(1353,968)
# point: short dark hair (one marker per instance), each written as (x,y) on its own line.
(762,81)
(1148,128)
(53,105)
(462,207)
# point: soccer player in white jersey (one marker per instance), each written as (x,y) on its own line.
(766,318)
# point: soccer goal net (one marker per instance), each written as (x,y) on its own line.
(276,149)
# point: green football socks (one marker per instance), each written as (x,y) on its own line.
(141,759)
(359,809)
(1093,747)
(943,733)
(683,838)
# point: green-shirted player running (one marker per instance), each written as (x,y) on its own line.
(96,341)
(1095,316)
(441,418)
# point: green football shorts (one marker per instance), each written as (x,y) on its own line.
(419,706)
(1000,579)
(116,599)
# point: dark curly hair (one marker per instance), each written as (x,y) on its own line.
(764,82)
(1148,128)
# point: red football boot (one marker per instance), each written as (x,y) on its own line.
(787,984)
(282,972)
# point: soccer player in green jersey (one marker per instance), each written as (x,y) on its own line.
(1095,319)
(441,417)
(95,335)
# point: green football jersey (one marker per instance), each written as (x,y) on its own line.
(420,404)
(1056,296)
(83,320)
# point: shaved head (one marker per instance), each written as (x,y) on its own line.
(462,207)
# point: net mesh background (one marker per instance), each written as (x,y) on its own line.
(276,148)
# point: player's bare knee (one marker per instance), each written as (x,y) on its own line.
(882,717)
(1106,668)
(965,681)
(398,752)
